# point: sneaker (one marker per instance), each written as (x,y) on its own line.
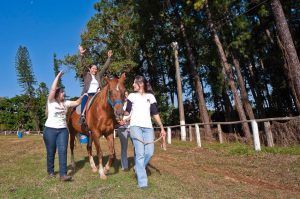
(143,188)
(65,178)
(81,120)
(51,175)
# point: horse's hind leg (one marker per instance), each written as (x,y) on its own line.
(112,154)
(91,159)
(100,156)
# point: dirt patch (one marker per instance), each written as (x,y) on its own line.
(190,164)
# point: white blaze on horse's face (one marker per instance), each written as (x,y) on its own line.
(117,88)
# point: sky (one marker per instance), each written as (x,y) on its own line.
(45,27)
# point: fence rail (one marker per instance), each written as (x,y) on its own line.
(253,123)
(8,132)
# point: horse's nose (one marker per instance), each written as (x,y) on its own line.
(119,113)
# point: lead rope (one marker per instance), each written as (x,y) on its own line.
(163,144)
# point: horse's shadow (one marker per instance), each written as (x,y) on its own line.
(116,165)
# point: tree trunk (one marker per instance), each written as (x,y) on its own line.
(244,94)
(230,79)
(199,91)
(288,45)
(228,109)
(179,92)
(288,74)
(258,97)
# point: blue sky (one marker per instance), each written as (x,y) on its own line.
(45,27)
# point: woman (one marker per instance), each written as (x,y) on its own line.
(123,134)
(56,134)
(142,105)
(92,81)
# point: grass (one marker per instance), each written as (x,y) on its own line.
(243,149)
(183,171)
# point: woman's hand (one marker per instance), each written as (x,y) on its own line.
(81,50)
(60,74)
(163,140)
(109,53)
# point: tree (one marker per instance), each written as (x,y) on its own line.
(27,81)
(25,74)
(290,52)
(229,75)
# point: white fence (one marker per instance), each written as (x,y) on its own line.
(254,125)
(23,132)
(255,131)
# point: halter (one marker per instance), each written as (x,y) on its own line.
(119,101)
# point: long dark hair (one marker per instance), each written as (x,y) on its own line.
(147,86)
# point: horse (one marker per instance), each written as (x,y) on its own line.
(101,117)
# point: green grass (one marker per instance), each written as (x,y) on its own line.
(185,171)
(243,149)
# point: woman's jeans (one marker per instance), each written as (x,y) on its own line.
(123,134)
(143,152)
(56,138)
(84,100)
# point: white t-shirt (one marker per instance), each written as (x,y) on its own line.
(94,85)
(140,111)
(57,114)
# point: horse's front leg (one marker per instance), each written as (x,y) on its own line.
(112,153)
(90,155)
(100,156)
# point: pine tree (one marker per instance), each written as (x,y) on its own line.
(27,81)
(24,71)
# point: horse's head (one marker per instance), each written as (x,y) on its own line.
(115,95)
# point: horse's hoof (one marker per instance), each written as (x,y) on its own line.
(103,177)
(95,170)
(106,171)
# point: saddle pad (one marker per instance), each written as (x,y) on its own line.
(78,109)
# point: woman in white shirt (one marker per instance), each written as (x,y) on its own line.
(56,135)
(142,105)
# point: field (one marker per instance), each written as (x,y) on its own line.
(183,171)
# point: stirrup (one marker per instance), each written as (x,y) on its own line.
(81,120)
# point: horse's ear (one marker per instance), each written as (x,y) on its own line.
(123,77)
(105,78)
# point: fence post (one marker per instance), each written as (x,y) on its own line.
(198,135)
(269,134)
(190,133)
(255,135)
(220,134)
(169,135)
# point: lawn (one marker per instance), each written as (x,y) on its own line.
(183,171)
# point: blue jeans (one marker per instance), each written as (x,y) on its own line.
(84,100)
(123,134)
(56,138)
(143,152)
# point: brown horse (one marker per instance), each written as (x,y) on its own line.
(101,118)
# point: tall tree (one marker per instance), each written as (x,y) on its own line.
(290,52)
(229,75)
(25,74)
(27,81)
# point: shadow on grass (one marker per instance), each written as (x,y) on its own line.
(116,164)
